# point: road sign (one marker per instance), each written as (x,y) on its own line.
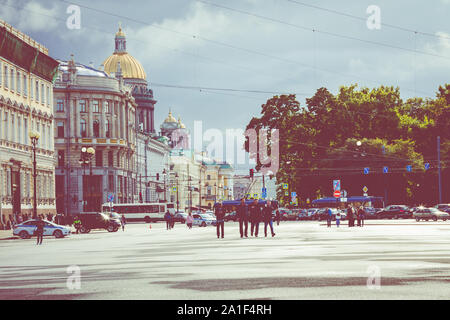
(110,198)
(366,170)
(263,193)
(286,193)
(307,200)
(385,169)
(337,194)
(409,168)
(294,194)
(365,194)
(174,189)
(427,166)
(344,193)
(343,199)
(255,195)
(365,189)
(285,186)
(336,185)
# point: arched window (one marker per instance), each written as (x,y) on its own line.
(96,128)
(83,128)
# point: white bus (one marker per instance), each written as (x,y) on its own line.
(148,212)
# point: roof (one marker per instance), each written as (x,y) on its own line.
(82,69)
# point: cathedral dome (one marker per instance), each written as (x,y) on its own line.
(131,68)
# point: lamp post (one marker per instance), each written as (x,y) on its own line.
(165,174)
(34,137)
(178,202)
(85,160)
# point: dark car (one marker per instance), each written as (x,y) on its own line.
(180,217)
(443,207)
(395,212)
(97,220)
(231,216)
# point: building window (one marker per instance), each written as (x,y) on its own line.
(107,107)
(6,85)
(48,95)
(96,128)
(60,128)
(1,74)
(19,129)
(108,128)
(208,177)
(111,183)
(42,94)
(59,105)
(99,158)
(18,78)
(12,79)
(95,107)
(82,103)
(13,129)
(36,90)
(83,128)
(25,85)
(61,159)
(6,125)
(25,130)
(110,159)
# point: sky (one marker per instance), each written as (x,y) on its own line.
(267,46)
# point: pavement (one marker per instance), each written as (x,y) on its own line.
(305,260)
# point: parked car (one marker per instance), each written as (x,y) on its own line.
(98,220)
(180,216)
(231,216)
(302,214)
(395,212)
(431,214)
(203,220)
(443,207)
(26,229)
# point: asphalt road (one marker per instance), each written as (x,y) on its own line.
(305,260)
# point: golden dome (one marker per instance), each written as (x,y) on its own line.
(131,68)
(170,118)
(181,124)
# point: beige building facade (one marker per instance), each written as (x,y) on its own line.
(26,104)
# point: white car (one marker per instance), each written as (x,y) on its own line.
(203,220)
(26,229)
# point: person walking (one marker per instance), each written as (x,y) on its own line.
(350,216)
(39,231)
(242,213)
(338,218)
(123,222)
(189,220)
(255,217)
(167,217)
(361,216)
(220,213)
(267,217)
(329,217)
(77,224)
(278,217)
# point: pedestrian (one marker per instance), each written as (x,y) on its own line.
(255,218)
(219,212)
(167,217)
(329,217)
(77,224)
(123,222)
(361,216)
(242,214)
(350,216)
(267,217)
(172,220)
(278,217)
(338,218)
(189,220)
(39,231)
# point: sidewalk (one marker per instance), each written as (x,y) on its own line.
(7,235)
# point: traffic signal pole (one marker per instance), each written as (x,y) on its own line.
(439,168)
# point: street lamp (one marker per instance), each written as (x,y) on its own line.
(34,137)
(165,174)
(85,160)
(178,202)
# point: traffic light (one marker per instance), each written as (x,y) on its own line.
(157,176)
(251,173)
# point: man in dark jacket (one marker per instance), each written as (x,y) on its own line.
(351,220)
(40,230)
(242,213)
(267,217)
(255,217)
(220,214)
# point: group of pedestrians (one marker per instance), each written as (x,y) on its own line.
(170,220)
(254,214)
(352,214)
